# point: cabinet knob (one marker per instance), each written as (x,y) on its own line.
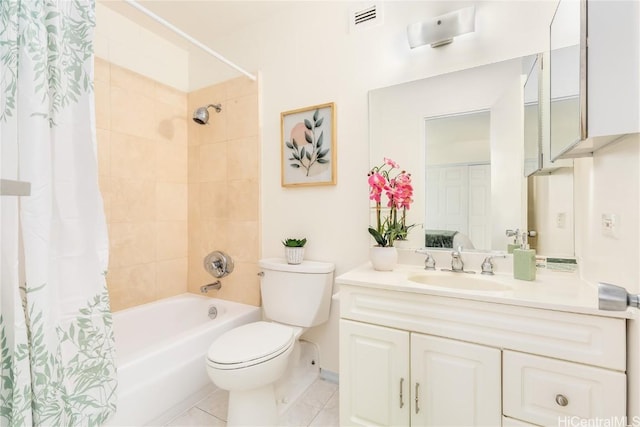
(561,400)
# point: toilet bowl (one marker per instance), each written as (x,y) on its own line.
(249,359)
(250,356)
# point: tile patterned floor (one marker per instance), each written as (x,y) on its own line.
(316,407)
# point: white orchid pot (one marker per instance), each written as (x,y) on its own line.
(294,255)
(383,258)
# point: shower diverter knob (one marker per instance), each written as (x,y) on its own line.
(218,264)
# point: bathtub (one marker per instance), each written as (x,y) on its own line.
(161,348)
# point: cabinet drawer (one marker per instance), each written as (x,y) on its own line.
(546,391)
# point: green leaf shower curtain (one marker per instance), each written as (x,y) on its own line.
(57,361)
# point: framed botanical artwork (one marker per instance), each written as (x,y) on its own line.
(308,146)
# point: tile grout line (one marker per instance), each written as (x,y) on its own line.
(324,408)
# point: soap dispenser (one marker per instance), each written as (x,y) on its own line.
(524,261)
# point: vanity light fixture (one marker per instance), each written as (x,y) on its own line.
(441,30)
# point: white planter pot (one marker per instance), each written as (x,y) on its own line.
(403,244)
(294,255)
(383,258)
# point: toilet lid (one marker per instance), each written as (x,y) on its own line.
(250,344)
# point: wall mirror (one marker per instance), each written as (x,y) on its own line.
(446,128)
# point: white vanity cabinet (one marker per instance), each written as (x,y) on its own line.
(429,360)
(397,377)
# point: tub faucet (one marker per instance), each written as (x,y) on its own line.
(215,285)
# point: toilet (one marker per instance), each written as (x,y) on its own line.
(249,359)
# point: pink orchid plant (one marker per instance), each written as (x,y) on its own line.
(395,183)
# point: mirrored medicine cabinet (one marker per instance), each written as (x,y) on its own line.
(538,126)
(594,67)
(532,69)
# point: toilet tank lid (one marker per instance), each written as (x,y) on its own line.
(280,264)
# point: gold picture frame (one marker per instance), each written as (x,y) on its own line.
(308,146)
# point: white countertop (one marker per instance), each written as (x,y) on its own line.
(560,291)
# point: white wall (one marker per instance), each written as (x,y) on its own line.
(306,57)
(127,44)
(468,151)
(550,199)
(610,183)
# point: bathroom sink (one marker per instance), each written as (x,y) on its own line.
(459,281)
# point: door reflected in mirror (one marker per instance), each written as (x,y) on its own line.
(458,181)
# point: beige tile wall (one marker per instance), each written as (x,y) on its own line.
(174,190)
(142,155)
(224,188)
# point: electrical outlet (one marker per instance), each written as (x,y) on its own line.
(561,219)
(610,225)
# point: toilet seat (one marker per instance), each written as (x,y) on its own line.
(249,345)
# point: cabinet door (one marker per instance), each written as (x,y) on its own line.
(454,383)
(374,375)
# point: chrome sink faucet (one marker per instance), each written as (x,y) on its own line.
(487,264)
(429,261)
(457,265)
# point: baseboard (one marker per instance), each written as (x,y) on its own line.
(329,376)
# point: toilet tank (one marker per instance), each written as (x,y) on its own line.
(296,294)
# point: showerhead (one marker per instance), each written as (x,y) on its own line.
(201,115)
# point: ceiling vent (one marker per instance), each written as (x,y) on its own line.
(367,16)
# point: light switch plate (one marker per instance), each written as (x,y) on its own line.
(610,225)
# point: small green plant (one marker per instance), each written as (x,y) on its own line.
(294,243)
